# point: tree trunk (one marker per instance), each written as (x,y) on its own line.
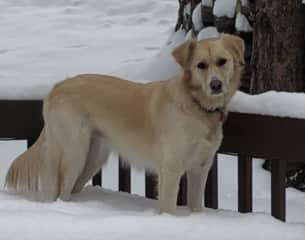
(278,60)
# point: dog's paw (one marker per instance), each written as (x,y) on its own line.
(196,209)
(171,211)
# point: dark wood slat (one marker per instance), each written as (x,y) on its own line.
(30,142)
(182,195)
(262,137)
(278,193)
(211,189)
(244,184)
(124,176)
(20,119)
(151,185)
(97,179)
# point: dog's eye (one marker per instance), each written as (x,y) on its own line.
(202,65)
(220,62)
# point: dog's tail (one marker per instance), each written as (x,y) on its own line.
(23,174)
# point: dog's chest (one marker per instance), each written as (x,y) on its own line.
(195,129)
(196,141)
(203,144)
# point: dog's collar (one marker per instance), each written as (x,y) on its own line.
(220,111)
(217,110)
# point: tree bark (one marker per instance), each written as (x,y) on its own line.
(278,57)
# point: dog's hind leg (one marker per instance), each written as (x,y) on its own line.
(74,158)
(49,175)
(71,134)
(98,155)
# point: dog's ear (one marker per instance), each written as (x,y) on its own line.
(235,45)
(183,53)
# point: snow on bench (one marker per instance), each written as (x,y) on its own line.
(281,104)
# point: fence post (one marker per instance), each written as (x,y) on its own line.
(151,185)
(278,193)
(97,179)
(211,189)
(182,195)
(244,184)
(30,141)
(124,176)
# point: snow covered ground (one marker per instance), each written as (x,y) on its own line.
(44,41)
(97,213)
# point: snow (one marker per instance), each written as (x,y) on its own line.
(242,24)
(197,18)
(43,42)
(154,68)
(208,32)
(282,104)
(208,3)
(245,3)
(224,8)
(189,35)
(99,213)
(96,214)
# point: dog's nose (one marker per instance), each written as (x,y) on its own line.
(216,86)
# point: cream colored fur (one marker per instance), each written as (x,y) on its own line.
(163,126)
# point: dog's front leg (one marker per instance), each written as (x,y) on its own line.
(196,179)
(168,189)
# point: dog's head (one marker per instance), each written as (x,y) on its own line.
(212,68)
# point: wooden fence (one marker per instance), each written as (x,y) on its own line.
(246,135)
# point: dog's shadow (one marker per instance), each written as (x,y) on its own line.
(114,200)
(120,201)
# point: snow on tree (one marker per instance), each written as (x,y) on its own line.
(206,18)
